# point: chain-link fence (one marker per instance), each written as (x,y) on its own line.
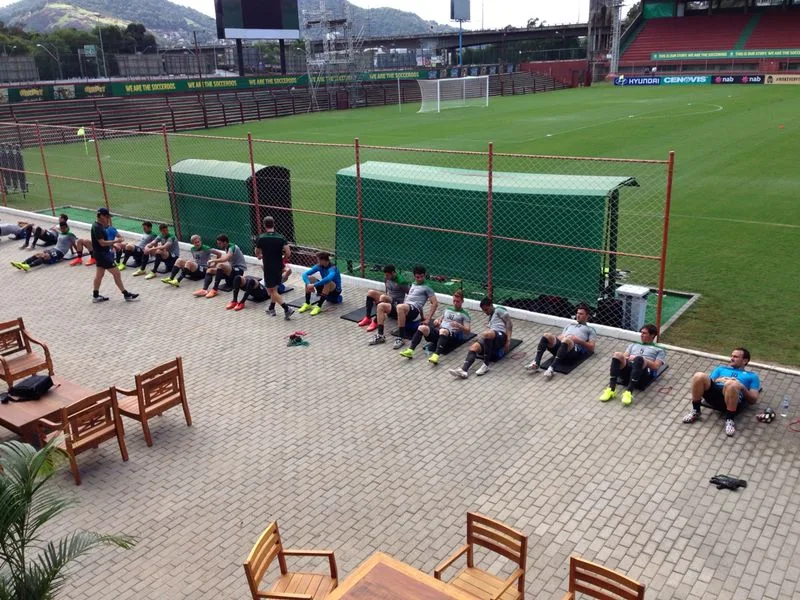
(538,232)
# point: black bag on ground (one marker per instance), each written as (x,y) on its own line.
(32,388)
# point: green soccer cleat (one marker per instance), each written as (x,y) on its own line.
(150,275)
(121,266)
(627,398)
(174,283)
(608,394)
(166,279)
(306,306)
(139,272)
(316,310)
(433,359)
(407,353)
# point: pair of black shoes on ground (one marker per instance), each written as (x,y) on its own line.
(727,482)
(129,297)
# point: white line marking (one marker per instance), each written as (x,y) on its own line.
(742,221)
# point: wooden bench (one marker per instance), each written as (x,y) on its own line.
(17,358)
(157,391)
(85,424)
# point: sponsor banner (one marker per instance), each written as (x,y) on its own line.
(625,80)
(737,79)
(782,79)
(685,79)
(91,90)
(716,54)
(34,93)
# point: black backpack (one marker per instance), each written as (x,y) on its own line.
(32,388)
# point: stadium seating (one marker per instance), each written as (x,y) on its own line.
(776,30)
(704,32)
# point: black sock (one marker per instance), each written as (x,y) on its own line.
(236,295)
(416,339)
(95,293)
(218,279)
(119,255)
(637,370)
(380,329)
(440,343)
(126,293)
(616,367)
(729,414)
(145,260)
(207,281)
(321,300)
(696,406)
(470,359)
(285,307)
(540,350)
(156,264)
(34,261)
(174,272)
(561,354)
(370,305)
(308,297)
(271,305)
(182,275)
(125,256)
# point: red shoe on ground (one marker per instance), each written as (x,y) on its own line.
(91,261)
(365,321)
(373,325)
(212,293)
(239,306)
(78,260)
(231,304)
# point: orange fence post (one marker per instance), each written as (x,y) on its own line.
(256,203)
(173,200)
(360,209)
(44,167)
(100,166)
(664,239)
(490,228)
(3,188)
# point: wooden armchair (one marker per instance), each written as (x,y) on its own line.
(497,537)
(289,586)
(598,581)
(17,358)
(86,424)
(157,390)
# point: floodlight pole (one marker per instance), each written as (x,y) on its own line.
(460,43)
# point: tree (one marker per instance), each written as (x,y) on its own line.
(634,12)
(29,568)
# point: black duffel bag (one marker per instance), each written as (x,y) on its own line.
(32,388)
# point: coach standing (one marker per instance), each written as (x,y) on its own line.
(104,257)
(273,249)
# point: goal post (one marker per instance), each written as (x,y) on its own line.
(460,92)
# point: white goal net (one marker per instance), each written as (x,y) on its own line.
(439,94)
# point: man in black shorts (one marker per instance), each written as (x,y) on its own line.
(136,250)
(193,268)
(45,237)
(66,242)
(104,258)
(272,248)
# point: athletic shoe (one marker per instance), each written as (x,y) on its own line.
(378,339)
(122,266)
(287,314)
(315,311)
(460,373)
(398,343)
(198,293)
(608,394)
(91,261)
(150,275)
(78,260)
(730,427)
(365,321)
(532,366)
(306,306)
(99,299)
(239,306)
(138,272)
(231,304)
(433,359)
(212,293)
(627,398)
(175,283)
(271,312)
(373,325)
(407,353)
(129,297)
(16,265)
(549,372)
(24,266)
(166,279)
(482,370)
(692,417)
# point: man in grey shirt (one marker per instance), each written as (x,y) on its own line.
(636,367)
(412,308)
(576,340)
(496,337)
(395,292)
(65,242)
(225,265)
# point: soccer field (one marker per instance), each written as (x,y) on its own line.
(735,229)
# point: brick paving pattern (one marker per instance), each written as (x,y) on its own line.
(353,448)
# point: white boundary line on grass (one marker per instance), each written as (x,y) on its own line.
(522,315)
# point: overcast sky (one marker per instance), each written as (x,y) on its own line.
(493,13)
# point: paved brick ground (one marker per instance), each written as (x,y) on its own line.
(353,448)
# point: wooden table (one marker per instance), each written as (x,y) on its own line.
(382,577)
(21,417)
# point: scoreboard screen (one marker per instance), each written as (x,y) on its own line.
(257,19)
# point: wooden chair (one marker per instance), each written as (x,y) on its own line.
(497,537)
(289,586)
(598,581)
(86,424)
(17,358)
(157,390)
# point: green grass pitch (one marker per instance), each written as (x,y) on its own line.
(735,229)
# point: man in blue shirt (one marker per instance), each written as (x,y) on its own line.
(327,285)
(728,388)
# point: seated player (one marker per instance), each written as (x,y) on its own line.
(47,237)
(64,243)
(164,248)
(411,309)
(635,365)
(496,337)
(728,389)
(17,231)
(450,329)
(136,250)
(226,265)
(395,290)
(576,339)
(193,268)
(254,289)
(327,285)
